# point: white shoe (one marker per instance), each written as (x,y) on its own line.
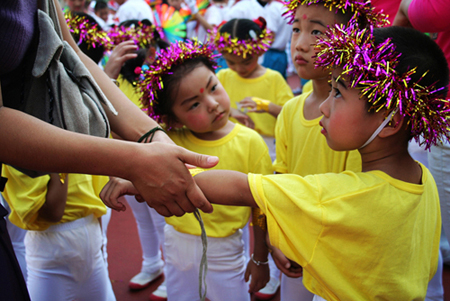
(269,290)
(142,280)
(160,294)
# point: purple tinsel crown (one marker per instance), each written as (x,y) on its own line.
(371,69)
(359,8)
(151,78)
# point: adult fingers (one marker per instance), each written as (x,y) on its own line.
(202,161)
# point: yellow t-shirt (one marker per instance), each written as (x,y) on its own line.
(302,149)
(26,196)
(358,236)
(241,150)
(129,90)
(271,86)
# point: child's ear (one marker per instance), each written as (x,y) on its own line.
(394,126)
(171,122)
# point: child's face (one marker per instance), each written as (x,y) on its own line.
(243,67)
(309,23)
(175,3)
(346,123)
(103,14)
(76,5)
(201,104)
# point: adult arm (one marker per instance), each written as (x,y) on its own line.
(424,15)
(157,170)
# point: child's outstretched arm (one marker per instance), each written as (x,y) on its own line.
(225,187)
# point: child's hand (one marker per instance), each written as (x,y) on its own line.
(113,192)
(254,104)
(260,276)
(285,265)
(122,53)
(242,118)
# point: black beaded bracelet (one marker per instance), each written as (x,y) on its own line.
(151,134)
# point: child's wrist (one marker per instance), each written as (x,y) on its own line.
(261,104)
(259,262)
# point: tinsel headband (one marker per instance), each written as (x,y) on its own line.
(371,69)
(178,53)
(92,34)
(359,8)
(256,45)
(142,34)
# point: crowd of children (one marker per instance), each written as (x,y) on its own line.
(344,210)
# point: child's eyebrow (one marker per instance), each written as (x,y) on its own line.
(340,81)
(195,96)
(318,22)
(209,81)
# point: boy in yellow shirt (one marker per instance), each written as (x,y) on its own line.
(368,235)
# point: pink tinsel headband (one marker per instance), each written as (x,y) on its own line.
(371,69)
(359,8)
(176,54)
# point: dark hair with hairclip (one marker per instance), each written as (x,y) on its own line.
(240,28)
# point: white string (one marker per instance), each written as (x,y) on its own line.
(204,260)
(378,130)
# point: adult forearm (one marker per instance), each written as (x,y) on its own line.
(33,144)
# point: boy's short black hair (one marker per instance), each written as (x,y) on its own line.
(99,5)
(417,50)
(163,105)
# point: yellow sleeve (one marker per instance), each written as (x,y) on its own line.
(25,195)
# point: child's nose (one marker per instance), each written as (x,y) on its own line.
(324,106)
(302,43)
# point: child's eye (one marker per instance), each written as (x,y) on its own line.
(295,30)
(196,104)
(316,32)
(213,88)
(336,93)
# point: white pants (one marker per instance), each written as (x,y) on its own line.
(150,227)
(65,263)
(270,141)
(292,289)
(17,236)
(226,267)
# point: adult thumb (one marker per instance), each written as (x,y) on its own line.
(203,161)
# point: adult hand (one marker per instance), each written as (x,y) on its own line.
(122,53)
(242,118)
(159,173)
